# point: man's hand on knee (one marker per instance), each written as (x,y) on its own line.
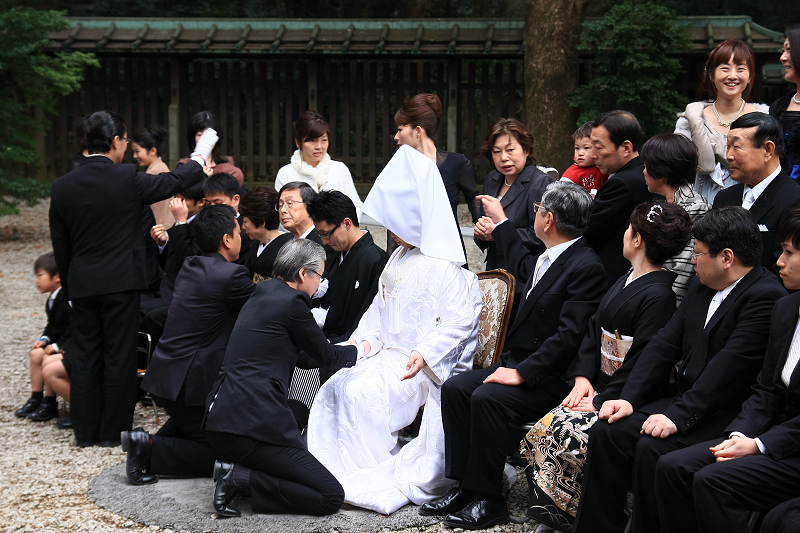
(614,410)
(505,376)
(659,426)
(734,448)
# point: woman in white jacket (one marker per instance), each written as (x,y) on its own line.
(311,162)
(728,77)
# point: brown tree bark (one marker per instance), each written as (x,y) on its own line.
(551,72)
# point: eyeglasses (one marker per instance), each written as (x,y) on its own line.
(328,235)
(695,255)
(126,139)
(320,276)
(537,206)
(289,204)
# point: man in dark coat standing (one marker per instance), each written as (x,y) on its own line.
(210,291)
(717,338)
(755,144)
(616,136)
(96,231)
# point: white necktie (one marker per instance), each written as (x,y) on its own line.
(541,267)
(792,358)
(749,199)
(713,306)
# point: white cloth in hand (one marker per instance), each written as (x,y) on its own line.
(320,315)
(206,143)
(323,288)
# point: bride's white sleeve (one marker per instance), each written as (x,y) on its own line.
(452,342)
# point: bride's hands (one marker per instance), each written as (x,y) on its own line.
(415,364)
(582,389)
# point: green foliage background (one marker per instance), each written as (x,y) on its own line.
(632,68)
(30,79)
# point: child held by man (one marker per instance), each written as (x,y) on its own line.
(583,172)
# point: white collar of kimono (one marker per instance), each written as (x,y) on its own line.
(409,200)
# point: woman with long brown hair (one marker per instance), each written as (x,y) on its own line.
(787,108)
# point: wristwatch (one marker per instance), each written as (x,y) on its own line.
(179,223)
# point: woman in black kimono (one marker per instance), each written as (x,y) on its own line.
(636,307)
(259,210)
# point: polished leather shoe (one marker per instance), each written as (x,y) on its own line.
(29,408)
(450,503)
(137,444)
(46,411)
(226,496)
(84,443)
(220,469)
(480,513)
(65,422)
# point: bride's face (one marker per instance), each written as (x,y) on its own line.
(401,242)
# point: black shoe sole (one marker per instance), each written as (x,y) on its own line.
(500,520)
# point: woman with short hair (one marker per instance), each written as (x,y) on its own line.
(260,220)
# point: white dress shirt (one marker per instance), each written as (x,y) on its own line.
(751,194)
(547,258)
(718,298)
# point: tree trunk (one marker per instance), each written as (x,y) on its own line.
(551,72)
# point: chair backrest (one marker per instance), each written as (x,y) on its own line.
(145,347)
(258,278)
(497,291)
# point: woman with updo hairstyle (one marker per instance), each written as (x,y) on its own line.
(635,308)
(218,162)
(517,183)
(728,78)
(146,146)
(311,162)
(260,220)
(418,122)
(670,161)
(787,108)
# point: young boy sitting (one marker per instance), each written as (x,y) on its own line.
(583,172)
(40,407)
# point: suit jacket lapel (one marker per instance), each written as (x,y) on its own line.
(516,188)
(747,280)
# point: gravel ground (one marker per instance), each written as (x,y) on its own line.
(44,486)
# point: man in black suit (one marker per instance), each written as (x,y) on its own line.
(224,189)
(758,465)
(615,137)
(96,230)
(353,268)
(293,210)
(717,338)
(210,291)
(482,409)
(755,144)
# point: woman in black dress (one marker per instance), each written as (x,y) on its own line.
(787,108)
(259,210)
(636,307)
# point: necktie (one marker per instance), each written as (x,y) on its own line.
(749,199)
(713,306)
(541,267)
(792,358)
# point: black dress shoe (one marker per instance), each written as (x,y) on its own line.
(137,444)
(65,422)
(450,503)
(46,411)
(84,443)
(29,408)
(226,496)
(220,469)
(480,513)
(108,443)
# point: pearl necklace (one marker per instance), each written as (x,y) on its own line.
(505,178)
(796,101)
(719,118)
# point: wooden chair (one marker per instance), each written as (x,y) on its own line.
(497,290)
(145,347)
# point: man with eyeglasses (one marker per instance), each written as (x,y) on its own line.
(714,344)
(293,211)
(352,268)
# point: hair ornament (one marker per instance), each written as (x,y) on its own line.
(656,210)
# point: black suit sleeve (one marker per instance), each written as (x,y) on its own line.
(153,188)
(182,244)
(307,335)
(606,212)
(584,291)
(62,248)
(240,288)
(466,184)
(519,259)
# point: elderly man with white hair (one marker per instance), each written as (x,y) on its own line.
(422,328)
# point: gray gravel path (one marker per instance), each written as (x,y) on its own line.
(49,484)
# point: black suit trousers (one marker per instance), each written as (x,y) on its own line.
(282,480)
(785,518)
(478,429)
(103,382)
(180,448)
(724,492)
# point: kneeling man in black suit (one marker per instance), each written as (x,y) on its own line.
(710,487)
(716,339)
(481,409)
(209,292)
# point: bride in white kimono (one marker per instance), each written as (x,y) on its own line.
(422,329)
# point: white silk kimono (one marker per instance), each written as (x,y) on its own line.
(424,304)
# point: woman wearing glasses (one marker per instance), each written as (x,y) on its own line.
(260,220)
(634,309)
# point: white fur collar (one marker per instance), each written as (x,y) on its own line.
(319,173)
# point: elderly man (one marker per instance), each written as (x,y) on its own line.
(482,409)
(711,486)
(293,210)
(615,137)
(755,144)
(717,338)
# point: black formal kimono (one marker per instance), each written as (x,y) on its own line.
(556,446)
(248,418)
(262,264)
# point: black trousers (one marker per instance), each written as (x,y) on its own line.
(103,382)
(477,419)
(785,518)
(180,448)
(696,493)
(282,479)
(153,323)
